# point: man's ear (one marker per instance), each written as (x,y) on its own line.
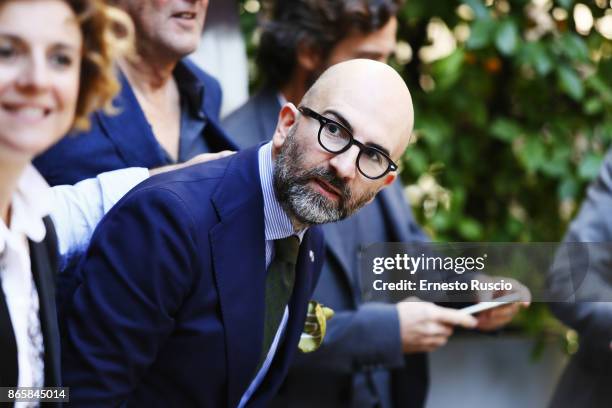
(286,120)
(308,57)
(390,178)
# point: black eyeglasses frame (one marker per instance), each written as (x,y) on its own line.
(323,121)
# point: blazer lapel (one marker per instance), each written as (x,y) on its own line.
(268,108)
(129,129)
(213,134)
(238,248)
(44,276)
(397,216)
(8,347)
(335,246)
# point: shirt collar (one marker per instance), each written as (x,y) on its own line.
(190,87)
(276,221)
(30,204)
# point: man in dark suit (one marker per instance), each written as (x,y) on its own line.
(373,352)
(167,111)
(178,305)
(587,378)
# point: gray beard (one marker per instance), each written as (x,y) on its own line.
(299,200)
(310,207)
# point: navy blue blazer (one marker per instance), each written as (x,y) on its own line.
(170,311)
(353,346)
(126,139)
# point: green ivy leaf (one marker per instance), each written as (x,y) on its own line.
(570,83)
(434,130)
(574,47)
(588,168)
(416,159)
(505,129)
(470,229)
(441,221)
(532,155)
(478,113)
(593,106)
(535,54)
(447,71)
(553,168)
(606,131)
(543,64)
(558,165)
(596,83)
(568,189)
(480,10)
(507,38)
(481,34)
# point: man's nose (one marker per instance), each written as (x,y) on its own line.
(345,164)
(34,75)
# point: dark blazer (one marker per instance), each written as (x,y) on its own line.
(126,139)
(170,311)
(255,121)
(588,376)
(345,371)
(43,256)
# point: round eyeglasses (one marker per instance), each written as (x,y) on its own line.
(336,138)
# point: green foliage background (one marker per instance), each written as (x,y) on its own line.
(510,127)
(514,129)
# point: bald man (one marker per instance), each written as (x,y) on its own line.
(195,285)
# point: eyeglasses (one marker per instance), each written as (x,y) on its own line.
(336,138)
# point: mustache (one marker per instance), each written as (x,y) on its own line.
(329,177)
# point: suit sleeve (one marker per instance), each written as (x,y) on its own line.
(593,320)
(77,209)
(135,275)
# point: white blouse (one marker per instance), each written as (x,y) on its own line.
(30,203)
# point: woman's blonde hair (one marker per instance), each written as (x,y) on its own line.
(107,34)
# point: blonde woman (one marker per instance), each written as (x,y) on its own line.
(55,68)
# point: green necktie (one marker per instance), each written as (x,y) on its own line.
(279,285)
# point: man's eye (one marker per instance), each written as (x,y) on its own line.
(333,129)
(374,156)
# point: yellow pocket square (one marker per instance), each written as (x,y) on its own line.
(315,326)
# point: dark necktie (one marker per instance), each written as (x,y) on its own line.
(279,285)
